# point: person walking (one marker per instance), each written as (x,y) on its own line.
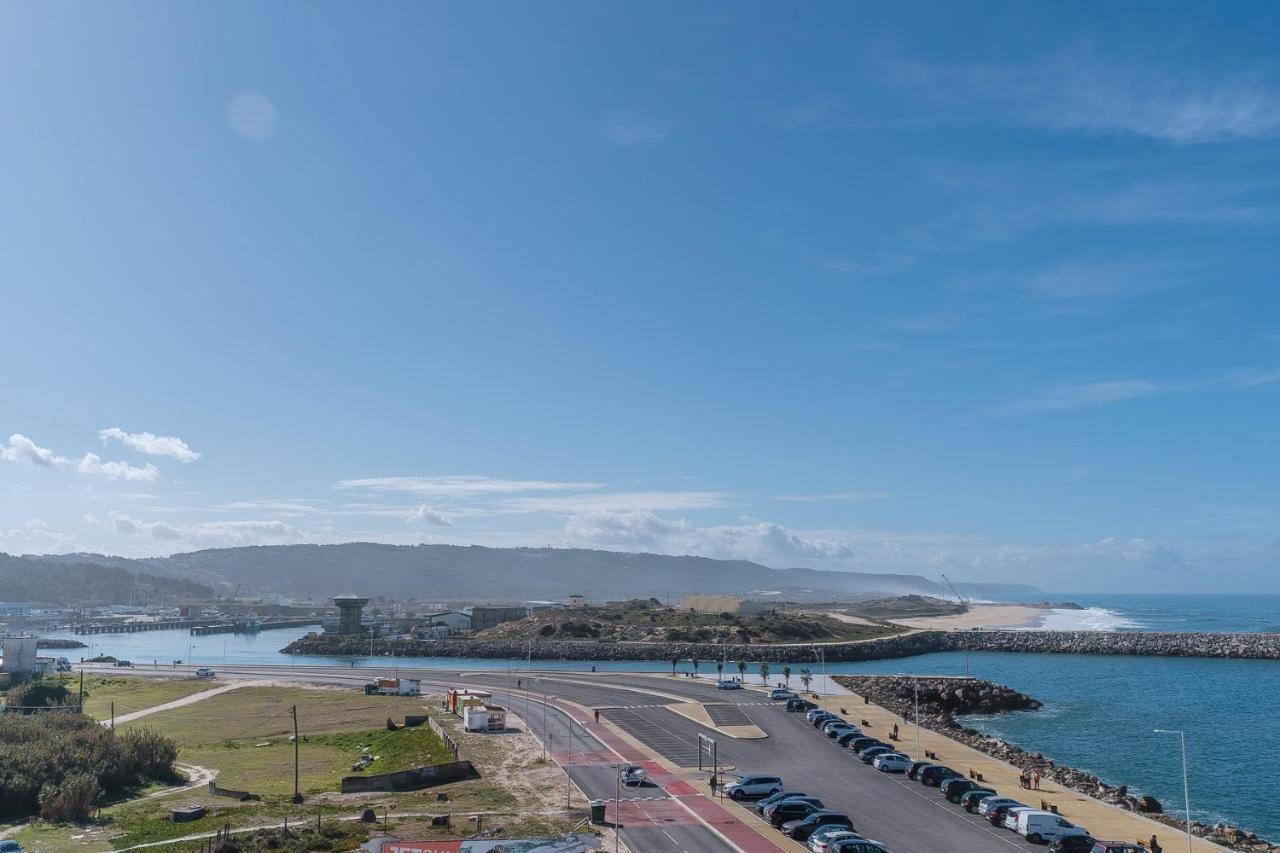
(1035,778)
(597,715)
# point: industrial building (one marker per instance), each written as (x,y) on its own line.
(19,654)
(455,620)
(487,617)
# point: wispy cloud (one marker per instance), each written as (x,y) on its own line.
(833,496)
(461,485)
(19,448)
(629,131)
(645,530)
(1079,395)
(617,502)
(153,445)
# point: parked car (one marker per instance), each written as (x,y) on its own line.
(782,693)
(858,845)
(728,684)
(1010,819)
(1115,847)
(913,772)
(8,845)
(798,704)
(816,712)
(863,742)
(752,786)
(985,806)
(802,828)
(797,809)
(205,672)
(1040,827)
(934,774)
(633,775)
(970,800)
(995,814)
(764,803)
(824,718)
(836,728)
(822,839)
(869,754)
(1071,844)
(891,762)
(956,787)
(956,792)
(845,737)
(127,663)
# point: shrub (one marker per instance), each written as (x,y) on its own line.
(72,800)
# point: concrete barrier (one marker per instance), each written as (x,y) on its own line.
(414,779)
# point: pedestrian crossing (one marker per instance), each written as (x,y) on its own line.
(708,704)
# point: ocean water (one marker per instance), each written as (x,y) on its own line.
(1099,712)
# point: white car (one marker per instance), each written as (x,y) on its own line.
(1010,821)
(857,845)
(753,786)
(891,762)
(782,693)
(205,672)
(821,841)
(1041,827)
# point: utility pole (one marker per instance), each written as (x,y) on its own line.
(113,715)
(617,809)
(297,795)
(82,688)
(915,690)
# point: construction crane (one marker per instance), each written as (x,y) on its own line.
(963,599)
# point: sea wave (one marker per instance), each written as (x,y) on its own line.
(1088,619)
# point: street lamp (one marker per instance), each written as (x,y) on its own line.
(1186,789)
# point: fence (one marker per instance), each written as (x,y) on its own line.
(448,739)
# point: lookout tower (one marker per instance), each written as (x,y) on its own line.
(350,613)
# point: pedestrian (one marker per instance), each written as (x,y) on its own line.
(1035,778)
(712,782)
(597,715)
(518,681)
(895,731)
(1155,845)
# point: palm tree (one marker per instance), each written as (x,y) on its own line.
(694,661)
(786,675)
(805,677)
(764,672)
(674,661)
(742,669)
(720,670)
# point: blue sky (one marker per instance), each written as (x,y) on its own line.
(987,289)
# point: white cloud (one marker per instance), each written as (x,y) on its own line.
(92,464)
(628,131)
(462,484)
(833,496)
(34,536)
(152,445)
(647,531)
(287,507)
(423,514)
(204,534)
(22,449)
(252,116)
(616,502)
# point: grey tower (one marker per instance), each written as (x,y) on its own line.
(350,612)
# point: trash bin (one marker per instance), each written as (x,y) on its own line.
(597,811)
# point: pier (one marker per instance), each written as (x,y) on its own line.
(197,627)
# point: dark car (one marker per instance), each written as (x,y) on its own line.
(1071,844)
(970,799)
(913,772)
(824,718)
(801,829)
(800,705)
(1116,847)
(934,774)
(957,792)
(954,787)
(781,812)
(864,742)
(996,815)
(869,754)
(845,737)
(761,805)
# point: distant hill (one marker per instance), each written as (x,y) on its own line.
(454,572)
(67,583)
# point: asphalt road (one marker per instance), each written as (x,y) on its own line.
(905,815)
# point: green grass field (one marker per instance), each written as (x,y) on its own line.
(129,693)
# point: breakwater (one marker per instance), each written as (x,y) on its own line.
(1256,646)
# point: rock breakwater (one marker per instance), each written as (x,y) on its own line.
(1150,643)
(943,699)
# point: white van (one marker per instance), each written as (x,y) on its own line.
(1040,827)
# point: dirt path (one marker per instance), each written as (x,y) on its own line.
(185,700)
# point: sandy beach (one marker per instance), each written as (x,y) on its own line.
(979,616)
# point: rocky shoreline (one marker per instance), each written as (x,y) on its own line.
(1255,646)
(942,700)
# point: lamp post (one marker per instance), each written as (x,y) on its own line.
(1186,788)
(915,692)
